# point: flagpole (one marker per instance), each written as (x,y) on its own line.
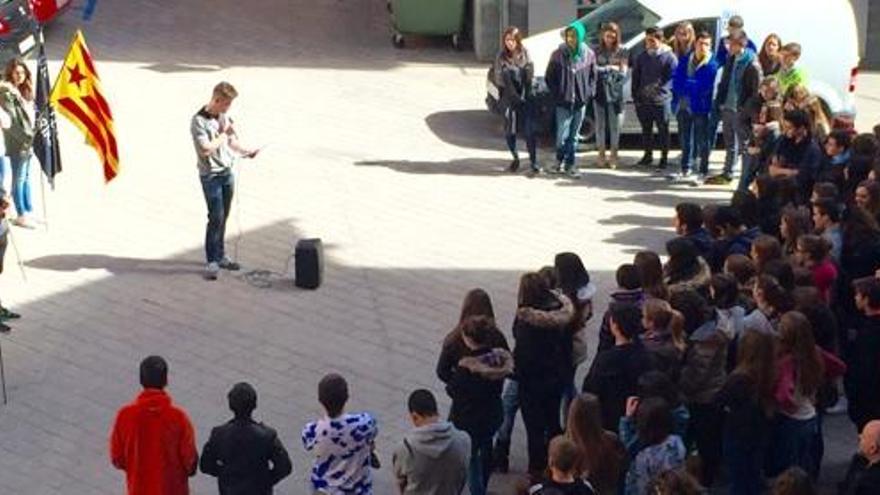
(15,248)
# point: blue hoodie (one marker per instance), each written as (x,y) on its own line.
(696,88)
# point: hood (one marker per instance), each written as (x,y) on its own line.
(153,401)
(692,59)
(581,32)
(432,440)
(549,318)
(747,57)
(497,364)
(704,331)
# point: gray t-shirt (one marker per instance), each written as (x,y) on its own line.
(205,128)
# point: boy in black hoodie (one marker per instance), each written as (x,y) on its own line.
(629,290)
(615,372)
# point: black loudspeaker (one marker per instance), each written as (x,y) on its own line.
(309,262)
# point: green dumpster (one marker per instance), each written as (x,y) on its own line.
(427,18)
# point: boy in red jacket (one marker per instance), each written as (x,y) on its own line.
(152,439)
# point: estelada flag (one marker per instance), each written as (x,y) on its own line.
(77,95)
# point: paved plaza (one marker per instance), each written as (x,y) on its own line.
(387,155)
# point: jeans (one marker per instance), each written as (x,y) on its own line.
(744,459)
(540,409)
(21,183)
(510,404)
(568,394)
(480,467)
(568,127)
(649,116)
(795,443)
(749,171)
(692,131)
(735,138)
(522,117)
(218,191)
(606,119)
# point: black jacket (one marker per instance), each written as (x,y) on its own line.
(861,479)
(542,356)
(614,377)
(862,379)
(475,385)
(747,88)
(571,82)
(745,421)
(246,457)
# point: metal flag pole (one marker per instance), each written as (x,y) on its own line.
(3,375)
(15,249)
(42,40)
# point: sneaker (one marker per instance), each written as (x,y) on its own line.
(228,264)
(4,328)
(514,165)
(560,168)
(718,180)
(683,176)
(5,314)
(212,271)
(839,407)
(573,174)
(23,222)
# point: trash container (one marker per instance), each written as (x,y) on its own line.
(427,18)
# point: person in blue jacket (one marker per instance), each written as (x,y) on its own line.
(692,91)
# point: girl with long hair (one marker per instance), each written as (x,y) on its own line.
(769,56)
(814,254)
(772,301)
(794,222)
(611,68)
(664,335)
(682,41)
(573,281)
(867,196)
(764,249)
(748,404)
(514,73)
(16,99)
(801,369)
(542,358)
(685,269)
(602,455)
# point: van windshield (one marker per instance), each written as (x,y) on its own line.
(632,17)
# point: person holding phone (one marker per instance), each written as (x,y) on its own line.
(217,147)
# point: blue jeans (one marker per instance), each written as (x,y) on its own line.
(692,132)
(21,183)
(480,467)
(606,119)
(795,443)
(510,405)
(568,127)
(218,191)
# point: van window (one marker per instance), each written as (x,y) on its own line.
(709,25)
(632,17)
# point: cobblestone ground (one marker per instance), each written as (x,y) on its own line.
(386,155)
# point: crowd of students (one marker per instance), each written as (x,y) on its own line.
(769,120)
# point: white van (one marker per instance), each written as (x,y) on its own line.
(826,31)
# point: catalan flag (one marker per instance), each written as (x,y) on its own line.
(77,95)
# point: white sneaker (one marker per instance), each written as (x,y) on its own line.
(212,271)
(840,407)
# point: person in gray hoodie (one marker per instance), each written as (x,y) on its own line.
(433,457)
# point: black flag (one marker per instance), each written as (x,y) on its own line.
(46,128)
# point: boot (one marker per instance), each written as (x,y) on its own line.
(614,161)
(602,162)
